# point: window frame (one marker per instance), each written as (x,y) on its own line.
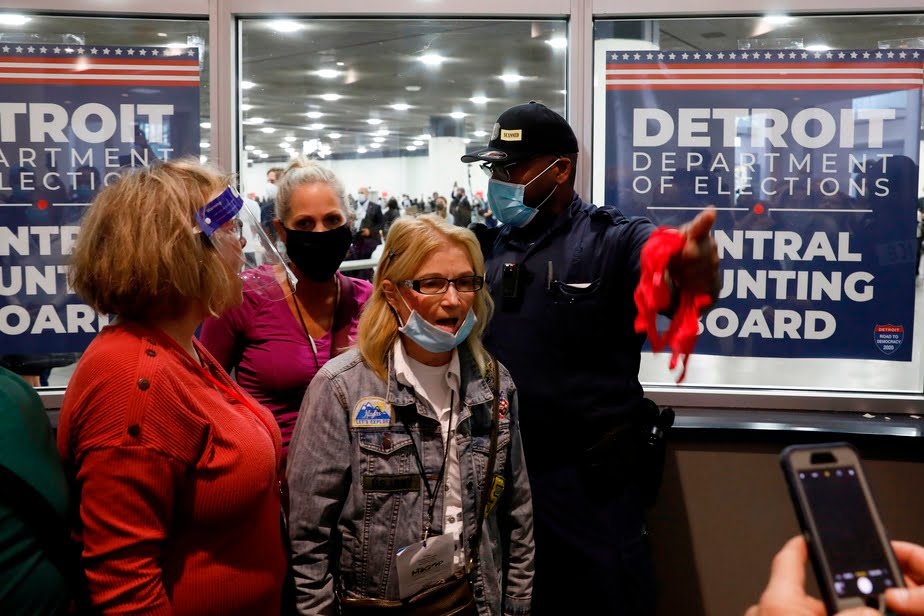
(224,47)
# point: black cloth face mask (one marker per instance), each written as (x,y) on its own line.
(318,254)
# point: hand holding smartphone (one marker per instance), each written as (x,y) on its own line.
(847,542)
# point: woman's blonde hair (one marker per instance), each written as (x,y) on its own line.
(410,241)
(303,171)
(137,254)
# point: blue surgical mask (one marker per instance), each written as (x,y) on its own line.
(506,201)
(432,338)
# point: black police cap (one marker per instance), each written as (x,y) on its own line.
(525,131)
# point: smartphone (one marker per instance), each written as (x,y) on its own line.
(847,543)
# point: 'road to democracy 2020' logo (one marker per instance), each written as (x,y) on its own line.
(889,337)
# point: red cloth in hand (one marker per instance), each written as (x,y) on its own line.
(653,295)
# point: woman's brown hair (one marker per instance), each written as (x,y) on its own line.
(138,253)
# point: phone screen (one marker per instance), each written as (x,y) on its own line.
(847,533)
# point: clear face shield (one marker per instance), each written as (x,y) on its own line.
(233,228)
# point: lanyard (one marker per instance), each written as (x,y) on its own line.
(301,319)
(432,492)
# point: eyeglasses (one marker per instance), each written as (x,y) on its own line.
(438,286)
(235,227)
(496,170)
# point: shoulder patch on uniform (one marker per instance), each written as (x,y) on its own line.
(372,412)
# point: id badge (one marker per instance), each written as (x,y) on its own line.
(424,564)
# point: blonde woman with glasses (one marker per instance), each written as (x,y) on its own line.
(406,477)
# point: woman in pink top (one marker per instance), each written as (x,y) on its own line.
(278,342)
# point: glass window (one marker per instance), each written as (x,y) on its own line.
(390,105)
(102,105)
(804,132)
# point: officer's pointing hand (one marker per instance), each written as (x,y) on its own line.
(697,267)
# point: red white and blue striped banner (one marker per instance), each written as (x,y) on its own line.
(765,70)
(124,66)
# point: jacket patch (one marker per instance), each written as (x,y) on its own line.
(372,413)
(391,483)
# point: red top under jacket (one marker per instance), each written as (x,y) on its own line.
(176,475)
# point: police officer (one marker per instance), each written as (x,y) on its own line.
(562,274)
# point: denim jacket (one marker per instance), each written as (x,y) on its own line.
(354,502)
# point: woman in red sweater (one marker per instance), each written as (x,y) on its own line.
(174,465)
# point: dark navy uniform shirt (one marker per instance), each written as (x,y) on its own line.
(569,339)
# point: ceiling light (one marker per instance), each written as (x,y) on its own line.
(511,78)
(361,150)
(285,26)
(257,152)
(341,64)
(456,115)
(479,133)
(290,138)
(245,85)
(563,91)
(335,135)
(411,148)
(424,136)
(246,107)
(264,155)
(204,145)
(268,129)
(466,141)
(400,106)
(249,148)
(382,132)
(255,120)
(819,47)
(205,124)
(412,88)
(778,20)
(314,114)
(558,42)
(378,139)
(432,59)
(327,73)
(417,142)
(284,145)
(330,96)
(374,121)
(203,158)
(163,34)
(179,46)
(375,145)
(479,100)
(315,126)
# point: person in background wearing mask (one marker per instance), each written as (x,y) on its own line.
(277,343)
(785,594)
(563,273)
(442,210)
(368,223)
(392,444)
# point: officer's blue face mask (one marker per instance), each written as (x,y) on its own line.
(432,338)
(506,200)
